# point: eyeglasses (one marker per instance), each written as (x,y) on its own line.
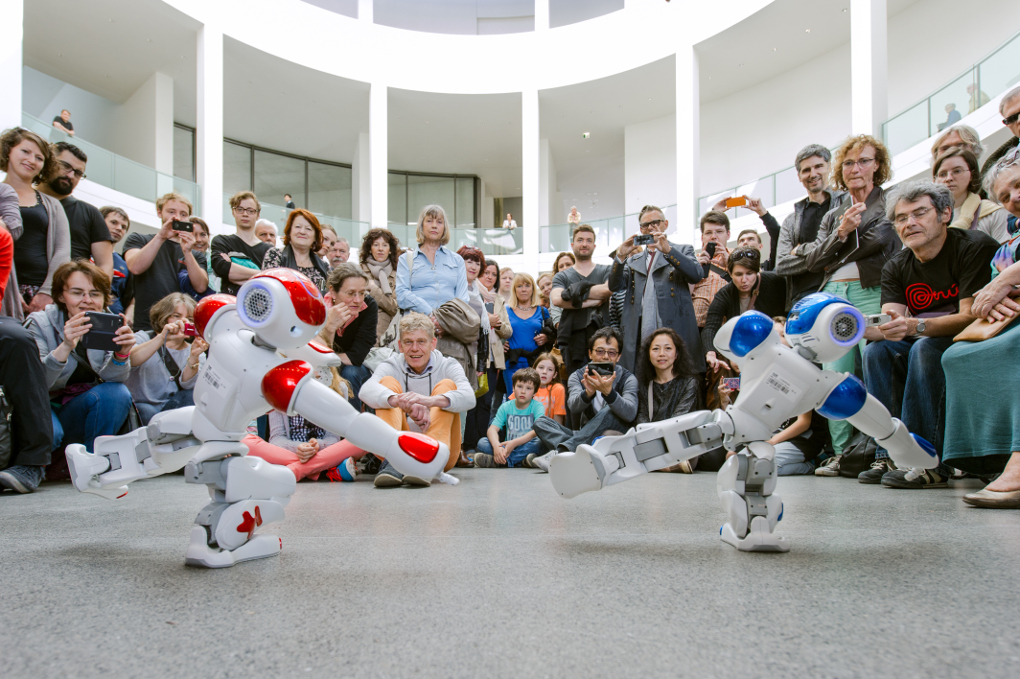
(654,224)
(605,353)
(917,214)
(250,211)
(78,293)
(65,167)
(862,163)
(955,172)
(1011,119)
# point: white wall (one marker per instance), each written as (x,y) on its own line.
(650,164)
(457,16)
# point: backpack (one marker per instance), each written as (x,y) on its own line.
(858,455)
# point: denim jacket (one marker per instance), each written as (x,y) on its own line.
(425,286)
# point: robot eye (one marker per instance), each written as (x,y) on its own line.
(844,327)
(258,304)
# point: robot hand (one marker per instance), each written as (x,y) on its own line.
(164,446)
(614,459)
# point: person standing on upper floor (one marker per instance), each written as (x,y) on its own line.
(156,260)
(431,274)
(302,239)
(957,170)
(265,231)
(800,228)
(509,223)
(45,241)
(238,257)
(715,234)
(122,286)
(928,289)
(582,291)
(90,237)
(656,281)
(977,98)
(288,202)
(378,254)
(63,123)
(952,116)
(574,218)
(855,240)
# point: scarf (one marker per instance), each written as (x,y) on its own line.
(381,273)
(963,218)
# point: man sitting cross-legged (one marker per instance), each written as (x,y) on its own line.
(419,389)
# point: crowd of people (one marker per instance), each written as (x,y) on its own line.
(507,370)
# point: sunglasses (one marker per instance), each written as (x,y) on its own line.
(1012,119)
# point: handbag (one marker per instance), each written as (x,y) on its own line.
(858,455)
(983,329)
(483,385)
(6,443)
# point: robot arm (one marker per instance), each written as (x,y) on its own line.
(291,388)
(614,459)
(316,354)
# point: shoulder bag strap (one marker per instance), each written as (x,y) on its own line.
(651,416)
(171,366)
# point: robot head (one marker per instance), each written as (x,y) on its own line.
(742,336)
(823,327)
(282,306)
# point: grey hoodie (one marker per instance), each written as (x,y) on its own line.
(440,367)
(47,329)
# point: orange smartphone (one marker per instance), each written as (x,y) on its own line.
(736,201)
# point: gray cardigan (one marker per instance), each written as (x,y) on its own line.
(11,215)
(47,329)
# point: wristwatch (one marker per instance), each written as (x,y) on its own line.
(920,326)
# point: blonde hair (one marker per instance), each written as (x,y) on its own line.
(523,278)
(165,308)
(432,211)
(414,321)
(173,195)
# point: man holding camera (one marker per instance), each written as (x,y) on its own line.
(603,393)
(657,283)
(156,260)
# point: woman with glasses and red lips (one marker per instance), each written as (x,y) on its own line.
(749,289)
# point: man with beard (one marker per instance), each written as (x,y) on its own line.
(581,291)
(90,237)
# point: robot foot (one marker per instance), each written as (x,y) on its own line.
(85,468)
(577,472)
(758,539)
(201,555)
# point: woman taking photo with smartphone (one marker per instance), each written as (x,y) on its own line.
(86,385)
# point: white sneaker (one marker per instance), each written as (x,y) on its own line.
(830,467)
(542,461)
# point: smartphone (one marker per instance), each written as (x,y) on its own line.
(876,319)
(731,383)
(100,335)
(710,248)
(604,369)
(644,239)
(736,201)
(184,226)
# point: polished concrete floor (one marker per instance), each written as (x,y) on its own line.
(499,577)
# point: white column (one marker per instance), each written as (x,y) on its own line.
(868,66)
(378,152)
(13,12)
(361,181)
(545,182)
(366,10)
(530,221)
(164,121)
(209,135)
(688,145)
(541,15)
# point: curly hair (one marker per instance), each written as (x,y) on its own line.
(371,237)
(14,136)
(883,171)
(556,262)
(683,366)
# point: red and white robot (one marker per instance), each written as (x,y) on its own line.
(260,357)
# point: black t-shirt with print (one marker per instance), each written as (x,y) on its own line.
(935,288)
(233,246)
(87,226)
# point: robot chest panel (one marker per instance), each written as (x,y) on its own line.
(229,391)
(780,390)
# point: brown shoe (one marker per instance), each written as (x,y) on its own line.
(464,461)
(994,499)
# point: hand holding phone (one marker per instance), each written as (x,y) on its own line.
(183,226)
(876,319)
(731,383)
(736,201)
(104,327)
(644,239)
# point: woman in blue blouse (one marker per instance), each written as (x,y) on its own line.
(530,323)
(431,274)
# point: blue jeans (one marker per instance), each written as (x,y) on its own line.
(181,399)
(357,375)
(516,455)
(790,460)
(100,411)
(907,377)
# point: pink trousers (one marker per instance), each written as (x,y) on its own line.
(326,458)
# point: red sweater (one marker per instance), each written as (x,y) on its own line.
(6,259)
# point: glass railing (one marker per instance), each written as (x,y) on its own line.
(489,241)
(117,172)
(997,72)
(609,231)
(350,229)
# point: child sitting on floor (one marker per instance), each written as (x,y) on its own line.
(551,393)
(518,415)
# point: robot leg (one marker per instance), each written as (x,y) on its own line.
(614,459)
(246,493)
(164,446)
(745,485)
(905,449)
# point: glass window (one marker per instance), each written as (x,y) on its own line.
(329,189)
(236,168)
(184,153)
(397,199)
(276,175)
(465,211)
(430,190)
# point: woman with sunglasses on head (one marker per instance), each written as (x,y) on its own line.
(957,170)
(750,288)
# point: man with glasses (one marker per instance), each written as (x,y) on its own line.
(606,401)
(1009,107)
(90,237)
(927,289)
(237,258)
(656,281)
(155,261)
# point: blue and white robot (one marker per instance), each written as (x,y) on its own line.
(777,382)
